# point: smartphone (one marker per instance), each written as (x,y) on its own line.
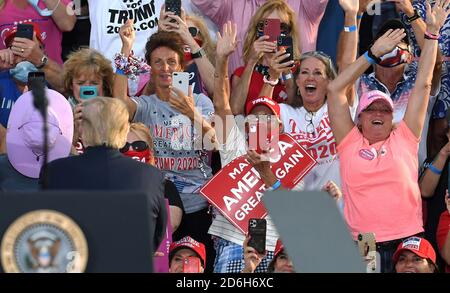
(272,29)
(35,77)
(368,251)
(257,231)
(25,31)
(180,80)
(258,135)
(285,42)
(88,92)
(192,265)
(174,6)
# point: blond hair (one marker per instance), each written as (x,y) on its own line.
(268,7)
(208,45)
(143,133)
(88,62)
(105,122)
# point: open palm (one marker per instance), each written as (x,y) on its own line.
(226,42)
(437,15)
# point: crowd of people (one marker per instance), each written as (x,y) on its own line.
(374,115)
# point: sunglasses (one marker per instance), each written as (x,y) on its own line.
(193,31)
(138,146)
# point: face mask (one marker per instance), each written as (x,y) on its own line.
(187,51)
(20,72)
(143,156)
(42,12)
(396,57)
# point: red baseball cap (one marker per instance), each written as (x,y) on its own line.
(11,34)
(188,242)
(266,101)
(417,245)
(278,248)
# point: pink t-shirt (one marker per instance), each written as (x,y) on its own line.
(380,184)
(309,14)
(11,15)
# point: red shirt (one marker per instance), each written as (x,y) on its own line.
(442,232)
(256,84)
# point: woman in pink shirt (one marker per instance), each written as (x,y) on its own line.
(379,162)
(52,16)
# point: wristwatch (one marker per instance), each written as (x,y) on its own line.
(199,54)
(44,61)
(414,17)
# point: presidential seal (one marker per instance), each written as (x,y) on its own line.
(44,241)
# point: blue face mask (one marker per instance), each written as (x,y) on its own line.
(42,12)
(20,72)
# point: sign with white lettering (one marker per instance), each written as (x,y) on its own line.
(236,190)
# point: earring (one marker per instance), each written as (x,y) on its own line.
(298,92)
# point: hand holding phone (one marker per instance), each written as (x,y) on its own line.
(257,231)
(192,265)
(25,31)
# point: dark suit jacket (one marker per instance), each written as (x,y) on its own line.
(102,168)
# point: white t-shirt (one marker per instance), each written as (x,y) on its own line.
(233,148)
(321,144)
(107,16)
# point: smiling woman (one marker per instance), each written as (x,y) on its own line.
(379,163)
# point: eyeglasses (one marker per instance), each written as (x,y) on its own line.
(309,119)
(138,146)
(193,31)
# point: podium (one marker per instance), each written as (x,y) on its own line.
(75,231)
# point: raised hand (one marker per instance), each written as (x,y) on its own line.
(127,35)
(276,68)
(226,43)
(387,42)
(184,104)
(350,6)
(437,16)
(251,257)
(26,49)
(405,6)
(333,190)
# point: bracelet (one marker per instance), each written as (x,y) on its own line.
(286,77)
(434,169)
(120,71)
(271,82)
(131,66)
(276,185)
(430,36)
(370,60)
(414,17)
(373,57)
(349,29)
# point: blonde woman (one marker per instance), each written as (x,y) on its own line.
(248,80)
(139,146)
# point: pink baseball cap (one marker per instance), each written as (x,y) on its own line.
(369,97)
(24,136)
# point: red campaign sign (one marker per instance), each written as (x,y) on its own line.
(236,190)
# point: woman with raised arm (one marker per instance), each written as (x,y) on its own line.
(379,160)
